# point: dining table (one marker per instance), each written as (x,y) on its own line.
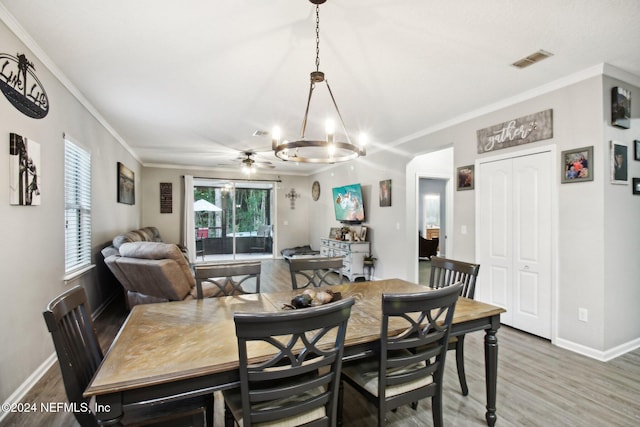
(187,348)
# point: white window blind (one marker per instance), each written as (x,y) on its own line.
(77,202)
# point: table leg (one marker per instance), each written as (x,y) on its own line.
(109,410)
(491,372)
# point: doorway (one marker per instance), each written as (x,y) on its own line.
(233,219)
(432,223)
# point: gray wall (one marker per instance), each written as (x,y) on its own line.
(386,224)
(620,293)
(32,267)
(594,268)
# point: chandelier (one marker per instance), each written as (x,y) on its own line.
(328,150)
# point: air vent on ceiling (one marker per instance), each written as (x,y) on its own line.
(260,133)
(532,59)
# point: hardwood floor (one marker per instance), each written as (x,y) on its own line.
(538,384)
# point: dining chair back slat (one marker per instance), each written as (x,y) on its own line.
(445,272)
(290,366)
(215,280)
(315,272)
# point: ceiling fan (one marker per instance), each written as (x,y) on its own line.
(250,164)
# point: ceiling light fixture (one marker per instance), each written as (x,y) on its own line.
(248,165)
(328,150)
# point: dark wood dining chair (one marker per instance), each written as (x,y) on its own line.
(297,384)
(315,272)
(410,364)
(445,272)
(68,318)
(216,280)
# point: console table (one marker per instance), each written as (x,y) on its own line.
(353,253)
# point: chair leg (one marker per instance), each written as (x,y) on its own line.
(436,409)
(382,412)
(340,403)
(229,421)
(209,410)
(460,365)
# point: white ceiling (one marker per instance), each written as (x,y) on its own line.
(187,83)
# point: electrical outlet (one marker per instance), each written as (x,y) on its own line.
(583,315)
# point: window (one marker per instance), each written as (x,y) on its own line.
(77,205)
(234,217)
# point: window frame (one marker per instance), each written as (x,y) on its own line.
(77,205)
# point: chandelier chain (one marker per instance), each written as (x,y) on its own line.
(317,37)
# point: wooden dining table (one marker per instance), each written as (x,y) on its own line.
(189,348)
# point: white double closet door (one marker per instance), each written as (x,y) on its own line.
(513,239)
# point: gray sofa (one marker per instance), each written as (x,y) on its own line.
(148,269)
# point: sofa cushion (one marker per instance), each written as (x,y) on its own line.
(129,236)
(152,234)
(155,268)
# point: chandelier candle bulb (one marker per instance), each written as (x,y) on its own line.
(275,137)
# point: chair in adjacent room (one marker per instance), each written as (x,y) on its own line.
(427,248)
(315,272)
(445,272)
(262,239)
(226,279)
(68,318)
(201,237)
(413,348)
(298,383)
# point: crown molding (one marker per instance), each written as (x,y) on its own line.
(17,29)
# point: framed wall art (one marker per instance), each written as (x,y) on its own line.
(636,185)
(620,107)
(465,178)
(24,171)
(166,197)
(636,149)
(385,192)
(619,163)
(576,165)
(126,185)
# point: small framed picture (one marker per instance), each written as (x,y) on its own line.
(576,165)
(385,192)
(126,185)
(619,163)
(621,107)
(335,233)
(636,185)
(465,178)
(636,149)
(363,233)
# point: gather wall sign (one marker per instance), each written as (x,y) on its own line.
(21,86)
(523,130)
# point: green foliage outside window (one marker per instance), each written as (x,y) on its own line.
(252,209)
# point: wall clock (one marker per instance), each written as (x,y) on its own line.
(315,190)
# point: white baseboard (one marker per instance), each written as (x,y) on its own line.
(601,355)
(19,394)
